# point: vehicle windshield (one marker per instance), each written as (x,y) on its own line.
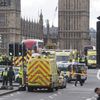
(62,58)
(40,44)
(1,69)
(63,67)
(92,57)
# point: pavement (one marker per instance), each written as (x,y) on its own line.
(8,91)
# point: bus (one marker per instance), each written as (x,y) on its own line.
(33,44)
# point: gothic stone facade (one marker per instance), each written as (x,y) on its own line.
(13,28)
(73,24)
(9,23)
(30,29)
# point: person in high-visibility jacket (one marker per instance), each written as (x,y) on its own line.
(5,78)
(20,75)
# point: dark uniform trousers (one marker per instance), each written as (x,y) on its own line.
(78,78)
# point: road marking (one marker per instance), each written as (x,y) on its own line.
(11,94)
(55,95)
(18,93)
(50,97)
(93,98)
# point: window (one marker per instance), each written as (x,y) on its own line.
(5,2)
(2,19)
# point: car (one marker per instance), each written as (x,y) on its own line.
(62,81)
(63,66)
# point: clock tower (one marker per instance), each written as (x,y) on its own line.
(9,23)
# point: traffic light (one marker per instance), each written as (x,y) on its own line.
(16,49)
(11,49)
(98,43)
(22,50)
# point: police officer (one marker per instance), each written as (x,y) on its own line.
(11,76)
(5,78)
(78,76)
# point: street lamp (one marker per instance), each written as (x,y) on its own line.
(98,42)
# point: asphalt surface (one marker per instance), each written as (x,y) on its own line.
(85,92)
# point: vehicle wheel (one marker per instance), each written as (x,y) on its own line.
(51,89)
(64,86)
(30,89)
(22,88)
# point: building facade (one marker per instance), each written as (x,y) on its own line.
(13,28)
(9,23)
(51,36)
(32,29)
(73,24)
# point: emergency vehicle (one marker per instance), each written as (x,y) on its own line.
(32,46)
(42,73)
(71,71)
(62,56)
(91,58)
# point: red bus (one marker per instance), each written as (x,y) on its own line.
(33,44)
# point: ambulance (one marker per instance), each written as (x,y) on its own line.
(91,58)
(42,72)
(62,56)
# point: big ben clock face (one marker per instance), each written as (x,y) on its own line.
(4,2)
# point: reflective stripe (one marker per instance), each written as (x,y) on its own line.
(21,72)
(5,73)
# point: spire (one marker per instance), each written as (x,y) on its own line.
(41,17)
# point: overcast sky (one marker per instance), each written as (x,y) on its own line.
(32,8)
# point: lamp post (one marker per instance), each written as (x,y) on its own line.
(98,42)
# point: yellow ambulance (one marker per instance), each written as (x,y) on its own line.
(62,56)
(42,73)
(91,58)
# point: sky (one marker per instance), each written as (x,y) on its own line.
(32,9)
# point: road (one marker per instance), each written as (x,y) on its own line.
(85,92)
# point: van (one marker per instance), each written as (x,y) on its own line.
(42,73)
(62,56)
(91,58)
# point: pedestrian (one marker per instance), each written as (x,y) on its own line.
(11,76)
(5,78)
(85,60)
(97,91)
(78,76)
